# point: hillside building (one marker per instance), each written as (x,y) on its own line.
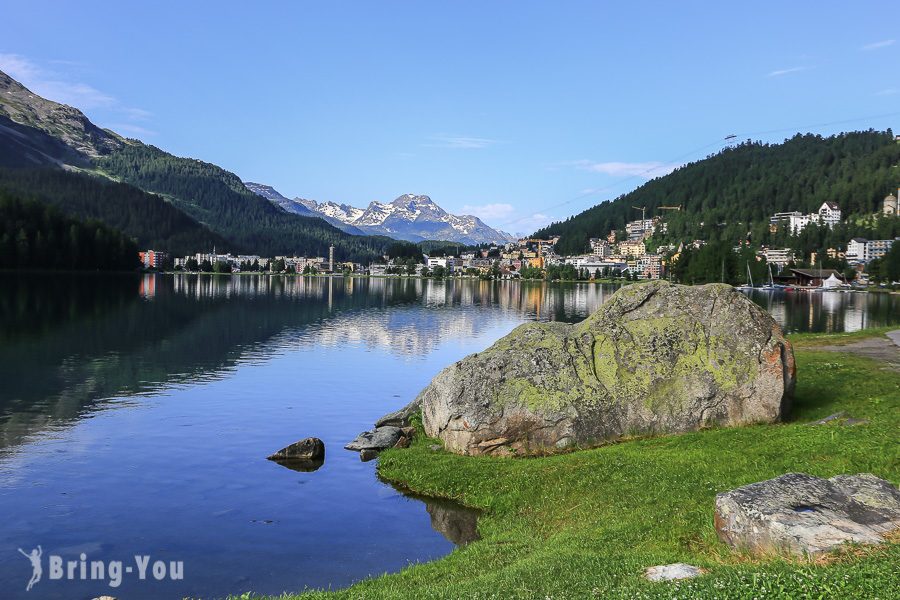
(780,257)
(862,251)
(600,247)
(829,215)
(889,206)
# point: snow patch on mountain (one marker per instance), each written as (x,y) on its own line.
(409,217)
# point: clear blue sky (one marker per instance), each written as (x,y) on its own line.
(509,110)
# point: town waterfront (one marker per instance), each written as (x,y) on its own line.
(136,412)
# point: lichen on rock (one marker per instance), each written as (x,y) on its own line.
(656,358)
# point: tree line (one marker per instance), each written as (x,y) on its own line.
(735,191)
(147,218)
(34,235)
(218,198)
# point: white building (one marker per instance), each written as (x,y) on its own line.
(889,207)
(829,214)
(595,263)
(448,262)
(780,257)
(640,229)
(861,250)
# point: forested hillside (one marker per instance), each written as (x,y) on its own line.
(147,218)
(207,204)
(722,195)
(218,199)
(34,235)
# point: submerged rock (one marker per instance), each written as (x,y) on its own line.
(656,358)
(379,438)
(673,572)
(311,448)
(805,515)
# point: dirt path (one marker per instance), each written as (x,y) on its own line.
(885,349)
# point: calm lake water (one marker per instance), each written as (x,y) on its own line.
(136,414)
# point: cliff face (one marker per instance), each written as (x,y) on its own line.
(657,358)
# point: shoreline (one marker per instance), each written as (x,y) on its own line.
(596,518)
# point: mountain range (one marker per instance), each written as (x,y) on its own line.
(409,217)
(53,153)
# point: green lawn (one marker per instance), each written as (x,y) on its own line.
(587,524)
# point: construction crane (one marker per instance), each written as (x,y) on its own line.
(643,210)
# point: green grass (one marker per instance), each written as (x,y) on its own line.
(587,524)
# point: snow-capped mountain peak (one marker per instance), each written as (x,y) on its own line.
(408,217)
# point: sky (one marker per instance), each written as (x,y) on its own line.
(521,113)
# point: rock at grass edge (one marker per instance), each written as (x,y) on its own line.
(380,438)
(656,358)
(804,515)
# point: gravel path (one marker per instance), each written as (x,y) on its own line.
(885,349)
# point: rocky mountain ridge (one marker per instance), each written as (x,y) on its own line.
(409,217)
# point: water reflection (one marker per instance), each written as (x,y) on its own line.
(135,413)
(457,523)
(301,465)
(829,311)
(69,342)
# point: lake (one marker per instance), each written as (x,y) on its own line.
(136,413)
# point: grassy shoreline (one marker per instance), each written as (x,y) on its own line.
(586,524)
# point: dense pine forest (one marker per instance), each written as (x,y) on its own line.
(35,235)
(730,194)
(147,218)
(218,199)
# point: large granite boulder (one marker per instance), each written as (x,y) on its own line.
(805,515)
(656,358)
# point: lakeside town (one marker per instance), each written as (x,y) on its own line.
(630,254)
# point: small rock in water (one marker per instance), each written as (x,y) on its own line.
(380,438)
(805,515)
(673,572)
(307,449)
